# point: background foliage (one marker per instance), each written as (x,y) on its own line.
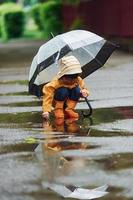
(11,21)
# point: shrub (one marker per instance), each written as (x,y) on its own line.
(35,14)
(5,1)
(11,21)
(51,19)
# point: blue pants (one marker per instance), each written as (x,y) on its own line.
(63,93)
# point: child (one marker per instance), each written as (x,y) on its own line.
(64,91)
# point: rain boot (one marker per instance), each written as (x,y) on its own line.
(58,111)
(72,126)
(59,124)
(69,111)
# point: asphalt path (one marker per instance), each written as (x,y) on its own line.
(110,86)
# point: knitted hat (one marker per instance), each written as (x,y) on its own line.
(69,65)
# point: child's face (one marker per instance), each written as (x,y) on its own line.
(68,80)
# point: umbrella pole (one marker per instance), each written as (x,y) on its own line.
(89,105)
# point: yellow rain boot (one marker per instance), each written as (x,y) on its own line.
(58,111)
(69,111)
(72,126)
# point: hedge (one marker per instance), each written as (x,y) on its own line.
(35,14)
(11,21)
(51,18)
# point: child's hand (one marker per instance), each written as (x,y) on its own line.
(84,93)
(45,115)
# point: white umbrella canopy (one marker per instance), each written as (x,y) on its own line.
(91,50)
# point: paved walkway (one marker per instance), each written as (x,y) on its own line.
(112,85)
(109,86)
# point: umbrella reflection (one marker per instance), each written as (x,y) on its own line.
(61,136)
(77,192)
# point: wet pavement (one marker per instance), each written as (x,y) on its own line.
(87,153)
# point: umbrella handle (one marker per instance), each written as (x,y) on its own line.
(89,105)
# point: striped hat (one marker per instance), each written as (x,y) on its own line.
(69,65)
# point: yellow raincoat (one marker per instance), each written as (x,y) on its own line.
(49,91)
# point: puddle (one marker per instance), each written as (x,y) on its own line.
(117,126)
(79,153)
(87,153)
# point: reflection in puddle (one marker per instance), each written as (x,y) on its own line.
(67,152)
(125,125)
(87,153)
(55,166)
(117,161)
(71,191)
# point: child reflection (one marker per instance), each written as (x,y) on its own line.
(61,137)
(59,133)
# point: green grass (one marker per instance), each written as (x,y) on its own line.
(26,117)
(15,93)
(23,104)
(21,82)
(32,35)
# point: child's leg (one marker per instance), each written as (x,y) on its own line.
(59,98)
(74,95)
(61,94)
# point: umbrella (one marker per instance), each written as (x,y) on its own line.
(91,50)
(72,191)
